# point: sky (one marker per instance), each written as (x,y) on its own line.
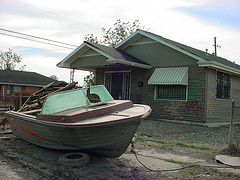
(191,22)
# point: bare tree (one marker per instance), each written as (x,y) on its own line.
(9,60)
(54,77)
(89,80)
(117,33)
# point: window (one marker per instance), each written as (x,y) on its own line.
(172,92)
(170,83)
(14,89)
(223,85)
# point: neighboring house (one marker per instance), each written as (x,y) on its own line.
(12,81)
(179,82)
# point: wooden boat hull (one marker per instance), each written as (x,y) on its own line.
(103,136)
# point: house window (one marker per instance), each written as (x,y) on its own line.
(14,89)
(223,85)
(171,92)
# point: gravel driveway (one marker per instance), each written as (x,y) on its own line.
(41,163)
(201,135)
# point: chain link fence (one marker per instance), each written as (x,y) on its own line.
(234,130)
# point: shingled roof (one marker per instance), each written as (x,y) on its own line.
(25,78)
(190,50)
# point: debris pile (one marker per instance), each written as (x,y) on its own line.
(35,101)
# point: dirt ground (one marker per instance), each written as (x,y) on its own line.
(22,160)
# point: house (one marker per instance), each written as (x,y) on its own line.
(179,82)
(12,81)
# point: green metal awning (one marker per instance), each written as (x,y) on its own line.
(169,76)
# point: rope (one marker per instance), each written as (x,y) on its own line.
(3,121)
(176,169)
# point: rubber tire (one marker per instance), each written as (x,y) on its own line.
(74,159)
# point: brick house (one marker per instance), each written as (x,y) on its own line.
(12,81)
(179,82)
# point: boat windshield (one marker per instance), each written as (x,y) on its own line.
(75,98)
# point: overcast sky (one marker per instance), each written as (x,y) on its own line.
(191,22)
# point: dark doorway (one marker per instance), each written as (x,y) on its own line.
(118,84)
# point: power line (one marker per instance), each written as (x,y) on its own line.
(51,13)
(37,37)
(36,41)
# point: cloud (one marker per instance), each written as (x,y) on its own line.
(193,23)
(225,12)
(28,51)
(47,66)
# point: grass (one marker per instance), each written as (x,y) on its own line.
(190,172)
(171,144)
(22,152)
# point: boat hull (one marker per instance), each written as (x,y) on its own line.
(106,139)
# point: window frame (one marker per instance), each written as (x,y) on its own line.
(228,85)
(16,88)
(155,93)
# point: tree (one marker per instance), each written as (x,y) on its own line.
(91,38)
(89,80)
(112,36)
(9,60)
(54,77)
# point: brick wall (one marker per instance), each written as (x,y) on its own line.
(32,89)
(193,109)
(13,98)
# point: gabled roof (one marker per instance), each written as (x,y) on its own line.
(24,78)
(112,55)
(205,59)
(202,54)
(117,55)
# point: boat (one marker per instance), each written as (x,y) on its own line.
(86,119)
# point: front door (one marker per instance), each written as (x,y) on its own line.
(118,84)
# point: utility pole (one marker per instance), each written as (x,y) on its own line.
(72,75)
(216,46)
